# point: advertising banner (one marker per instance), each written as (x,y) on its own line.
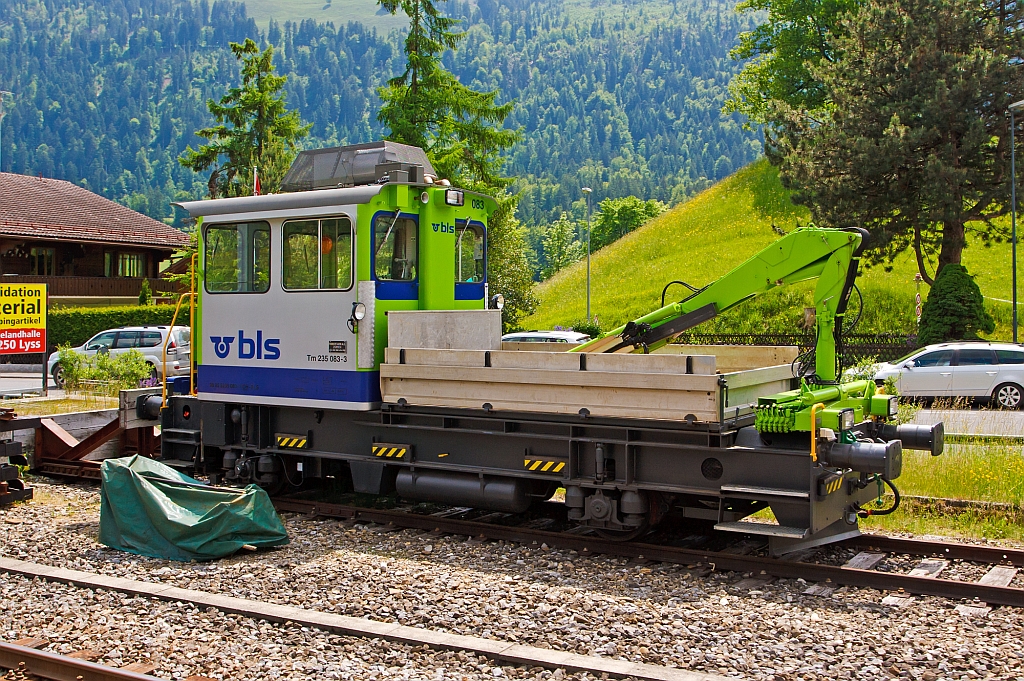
(22,318)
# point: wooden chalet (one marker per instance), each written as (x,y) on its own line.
(89,250)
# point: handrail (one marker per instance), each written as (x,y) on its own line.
(193,368)
(177,308)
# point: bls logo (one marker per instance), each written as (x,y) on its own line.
(248,348)
(443,227)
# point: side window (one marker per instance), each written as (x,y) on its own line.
(151,339)
(939,358)
(469,253)
(127,339)
(318,254)
(237,258)
(978,357)
(101,340)
(1010,356)
(394,248)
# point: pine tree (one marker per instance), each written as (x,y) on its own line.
(256,129)
(914,143)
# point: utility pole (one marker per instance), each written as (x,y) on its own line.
(587,191)
(1016,106)
(3,95)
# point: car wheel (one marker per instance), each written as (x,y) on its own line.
(1008,396)
(153,372)
(58,376)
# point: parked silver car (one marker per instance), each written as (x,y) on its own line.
(149,340)
(993,371)
(545,337)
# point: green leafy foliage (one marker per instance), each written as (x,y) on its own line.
(123,371)
(781,54)
(618,217)
(561,246)
(145,293)
(509,269)
(954,310)
(73,326)
(256,132)
(591,327)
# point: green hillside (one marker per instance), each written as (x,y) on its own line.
(719,228)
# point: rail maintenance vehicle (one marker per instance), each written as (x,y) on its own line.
(344,330)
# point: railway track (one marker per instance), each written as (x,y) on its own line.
(25,662)
(992,589)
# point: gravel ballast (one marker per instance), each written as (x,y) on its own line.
(591,605)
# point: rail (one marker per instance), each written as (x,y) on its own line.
(719,560)
(47,665)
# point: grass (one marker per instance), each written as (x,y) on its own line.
(48,406)
(702,239)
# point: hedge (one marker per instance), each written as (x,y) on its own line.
(75,325)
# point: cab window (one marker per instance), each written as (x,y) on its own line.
(395,248)
(318,254)
(237,258)
(1010,356)
(469,253)
(939,358)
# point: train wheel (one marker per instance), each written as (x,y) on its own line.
(623,535)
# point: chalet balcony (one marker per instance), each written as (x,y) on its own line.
(92,287)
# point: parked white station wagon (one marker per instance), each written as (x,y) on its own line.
(993,371)
(149,340)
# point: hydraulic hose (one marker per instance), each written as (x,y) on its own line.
(865,512)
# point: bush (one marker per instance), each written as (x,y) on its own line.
(955,309)
(74,325)
(591,328)
(120,372)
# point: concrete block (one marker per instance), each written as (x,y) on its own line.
(445,330)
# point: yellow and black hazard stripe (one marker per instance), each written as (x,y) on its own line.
(830,484)
(544,465)
(390,451)
(286,441)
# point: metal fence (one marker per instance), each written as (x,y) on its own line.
(856,346)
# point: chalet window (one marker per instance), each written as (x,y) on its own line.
(318,254)
(41,261)
(237,257)
(124,264)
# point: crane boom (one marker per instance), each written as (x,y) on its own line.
(829,255)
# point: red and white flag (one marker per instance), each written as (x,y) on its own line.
(256,188)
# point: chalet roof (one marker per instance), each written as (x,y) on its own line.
(39,208)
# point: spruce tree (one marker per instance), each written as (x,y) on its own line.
(955,309)
(255,129)
(461,131)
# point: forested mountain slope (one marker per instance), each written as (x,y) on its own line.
(621,96)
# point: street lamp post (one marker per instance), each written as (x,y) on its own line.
(3,95)
(1016,106)
(587,191)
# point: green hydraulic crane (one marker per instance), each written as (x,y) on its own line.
(829,255)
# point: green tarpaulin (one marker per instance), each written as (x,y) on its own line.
(152,510)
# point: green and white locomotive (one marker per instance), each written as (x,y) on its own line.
(292,331)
